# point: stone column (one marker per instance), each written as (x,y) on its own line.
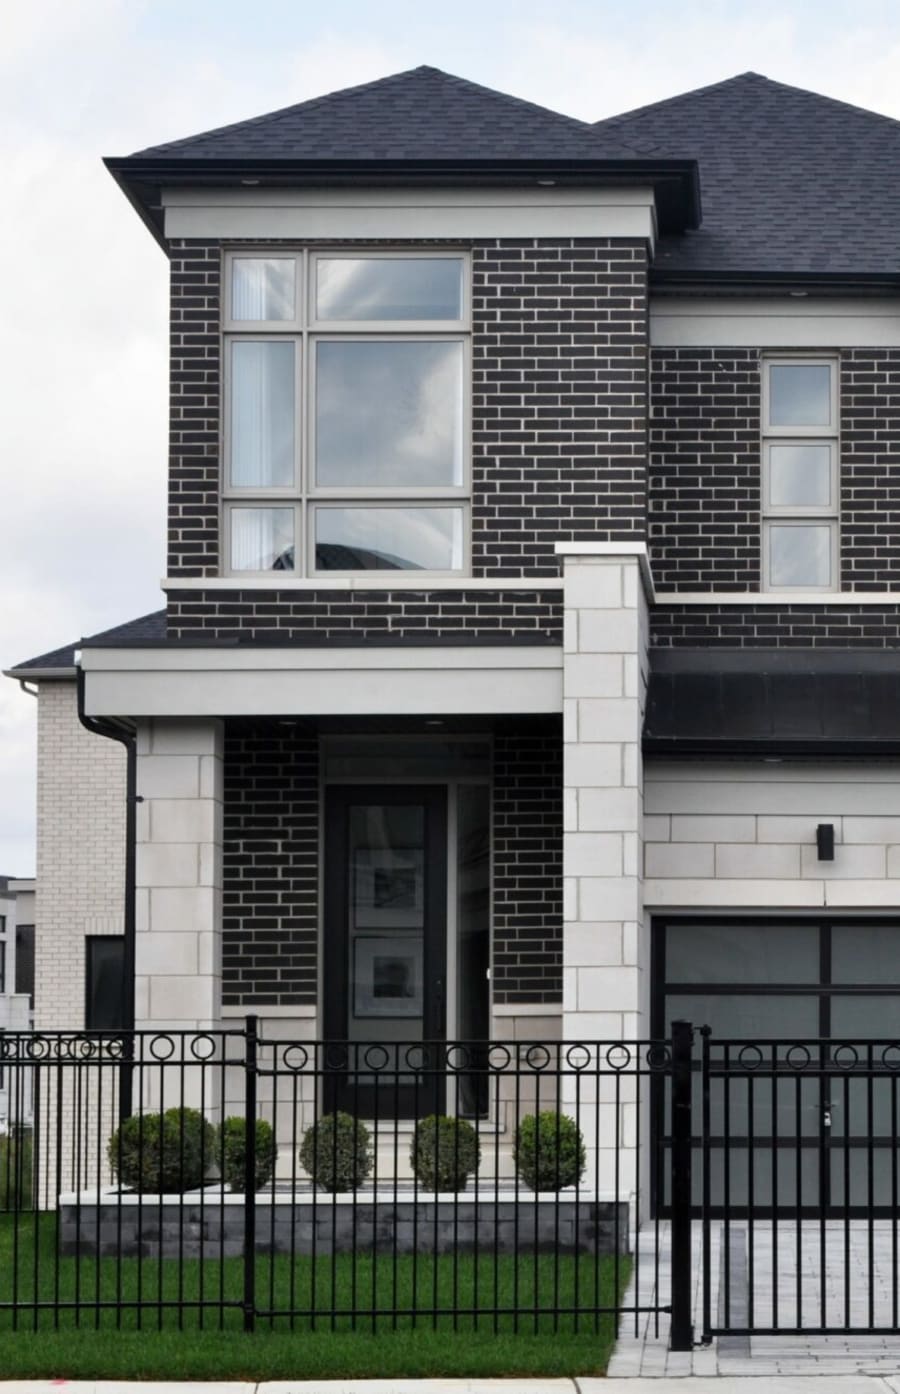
(178,952)
(605,671)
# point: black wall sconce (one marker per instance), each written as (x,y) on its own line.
(825,842)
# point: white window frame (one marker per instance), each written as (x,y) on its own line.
(811,514)
(306,331)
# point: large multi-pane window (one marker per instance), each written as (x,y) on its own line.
(346,436)
(800,474)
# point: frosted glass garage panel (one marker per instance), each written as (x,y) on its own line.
(707,952)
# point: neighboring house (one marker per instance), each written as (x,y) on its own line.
(16,987)
(532,593)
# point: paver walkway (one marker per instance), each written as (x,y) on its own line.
(866,1253)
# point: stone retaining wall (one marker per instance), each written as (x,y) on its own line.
(210,1226)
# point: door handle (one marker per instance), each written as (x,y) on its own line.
(826,1115)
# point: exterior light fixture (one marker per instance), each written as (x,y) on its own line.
(825,842)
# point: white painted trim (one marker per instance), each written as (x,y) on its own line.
(526,1009)
(307,1012)
(613,549)
(363,659)
(320,682)
(774,322)
(831,598)
(404,214)
(376,582)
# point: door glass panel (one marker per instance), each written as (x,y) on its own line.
(386,922)
(473,941)
(866,954)
(771,953)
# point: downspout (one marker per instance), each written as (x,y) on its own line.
(123,733)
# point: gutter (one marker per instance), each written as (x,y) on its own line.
(125,734)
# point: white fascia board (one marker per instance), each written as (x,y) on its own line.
(322,682)
(406,214)
(774,322)
(827,598)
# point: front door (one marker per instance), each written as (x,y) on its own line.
(385,948)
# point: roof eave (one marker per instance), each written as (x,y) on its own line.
(40,674)
(676,183)
(734,282)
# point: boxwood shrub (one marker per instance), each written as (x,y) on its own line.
(233,1152)
(162,1152)
(444,1152)
(549,1151)
(337,1152)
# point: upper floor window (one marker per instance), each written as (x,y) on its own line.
(346,421)
(800,474)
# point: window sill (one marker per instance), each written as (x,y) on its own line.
(406,582)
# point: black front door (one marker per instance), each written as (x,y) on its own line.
(385,948)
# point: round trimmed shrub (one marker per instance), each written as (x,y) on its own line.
(158,1152)
(444,1152)
(233,1152)
(549,1151)
(337,1152)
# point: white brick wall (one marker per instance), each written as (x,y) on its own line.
(80,886)
(742,835)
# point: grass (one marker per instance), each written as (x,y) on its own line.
(161,1342)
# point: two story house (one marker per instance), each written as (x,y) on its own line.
(529,663)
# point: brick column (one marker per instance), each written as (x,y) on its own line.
(178,953)
(604,682)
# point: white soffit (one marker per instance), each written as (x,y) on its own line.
(403,214)
(322,682)
(784,321)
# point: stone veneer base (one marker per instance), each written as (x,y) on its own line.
(210,1225)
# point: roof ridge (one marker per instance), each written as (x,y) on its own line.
(315,103)
(678,97)
(622,118)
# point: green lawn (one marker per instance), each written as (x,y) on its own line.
(159,1342)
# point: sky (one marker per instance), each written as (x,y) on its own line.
(83,306)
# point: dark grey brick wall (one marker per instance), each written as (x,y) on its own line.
(704,470)
(270,919)
(528,909)
(194,388)
(559,408)
(870,468)
(322,617)
(772,626)
(559,399)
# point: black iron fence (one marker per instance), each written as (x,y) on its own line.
(361,1185)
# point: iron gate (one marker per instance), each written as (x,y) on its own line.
(787,1154)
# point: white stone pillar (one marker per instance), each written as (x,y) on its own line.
(605,669)
(178,948)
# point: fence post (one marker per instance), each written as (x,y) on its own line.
(250,1062)
(682,1335)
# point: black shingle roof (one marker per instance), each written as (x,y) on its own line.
(146,628)
(792,182)
(422,114)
